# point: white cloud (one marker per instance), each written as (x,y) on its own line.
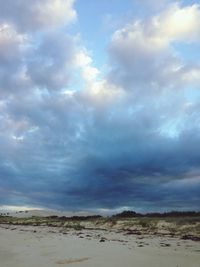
(10,42)
(191,76)
(143,53)
(83,61)
(178,23)
(31,61)
(37,14)
(12,50)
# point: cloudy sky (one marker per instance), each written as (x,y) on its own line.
(100,104)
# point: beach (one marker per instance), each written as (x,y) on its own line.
(38,246)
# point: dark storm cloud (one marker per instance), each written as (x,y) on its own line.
(130,140)
(107,164)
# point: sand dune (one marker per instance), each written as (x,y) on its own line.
(44,213)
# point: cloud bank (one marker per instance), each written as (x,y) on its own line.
(127,138)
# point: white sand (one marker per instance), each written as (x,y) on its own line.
(45,247)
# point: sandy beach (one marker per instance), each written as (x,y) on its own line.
(28,246)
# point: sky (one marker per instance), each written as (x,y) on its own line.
(100,104)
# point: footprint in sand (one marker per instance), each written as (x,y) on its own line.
(69,261)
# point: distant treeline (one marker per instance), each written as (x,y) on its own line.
(131,214)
